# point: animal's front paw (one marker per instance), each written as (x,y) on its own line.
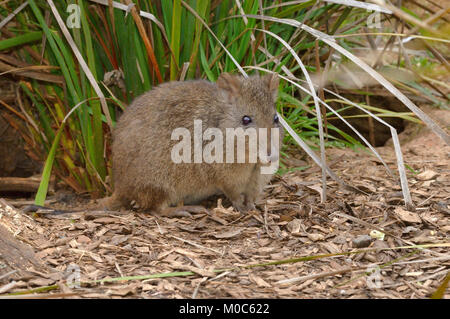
(251,206)
(249,202)
(244,207)
(240,206)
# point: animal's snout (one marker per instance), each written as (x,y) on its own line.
(269,155)
(269,145)
(273,154)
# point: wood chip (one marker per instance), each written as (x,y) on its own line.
(294,226)
(258,281)
(228,234)
(426,175)
(315,236)
(406,216)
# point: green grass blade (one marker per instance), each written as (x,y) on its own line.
(175,39)
(20,40)
(46,173)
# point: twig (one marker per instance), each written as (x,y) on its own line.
(8,274)
(8,286)
(194,294)
(196,245)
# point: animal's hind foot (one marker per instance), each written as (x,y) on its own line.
(183,211)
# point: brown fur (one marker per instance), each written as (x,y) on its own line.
(141,152)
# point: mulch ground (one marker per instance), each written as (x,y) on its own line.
(290,223)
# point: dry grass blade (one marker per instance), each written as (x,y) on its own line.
(391,88)
(10,108)
(347,123)
(349,3)
(397,147)
(148,45)
(83,64)
(408,36)
(406,17)
(184,71)
(346,253)
(25,71)
(241,10)
(313,155)
(378,77)
(73,109)
(307,149)
(401,169)
(13,14)
(362,5)
(144,14)
(318,111)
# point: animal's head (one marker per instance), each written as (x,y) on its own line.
(250,105)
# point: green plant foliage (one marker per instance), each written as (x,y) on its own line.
(129,54)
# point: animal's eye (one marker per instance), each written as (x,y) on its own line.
(246,120)
(275,118)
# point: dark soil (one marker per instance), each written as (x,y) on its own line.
(14,159)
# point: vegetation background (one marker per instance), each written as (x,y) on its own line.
(79,63)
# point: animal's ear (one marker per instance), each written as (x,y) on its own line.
(272,81)
(231,84)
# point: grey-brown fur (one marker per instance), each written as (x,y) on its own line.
(141,152)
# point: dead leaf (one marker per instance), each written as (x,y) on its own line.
(286,218)
(205,272)
(164,254)
(294,226)
(414,273)
(222,210)
(407,216)
(147,287)
(216,218)
(45,252)
(259,281)
(315,236)
(426,175)
(316,188)
(366,187)
(41,282)
(106,220)
(273,201)
(123,291)
(94,256)
(409,229)
(73,243)
(82,239)
(143,249)
(118,239)
(229,234)
(185,252)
